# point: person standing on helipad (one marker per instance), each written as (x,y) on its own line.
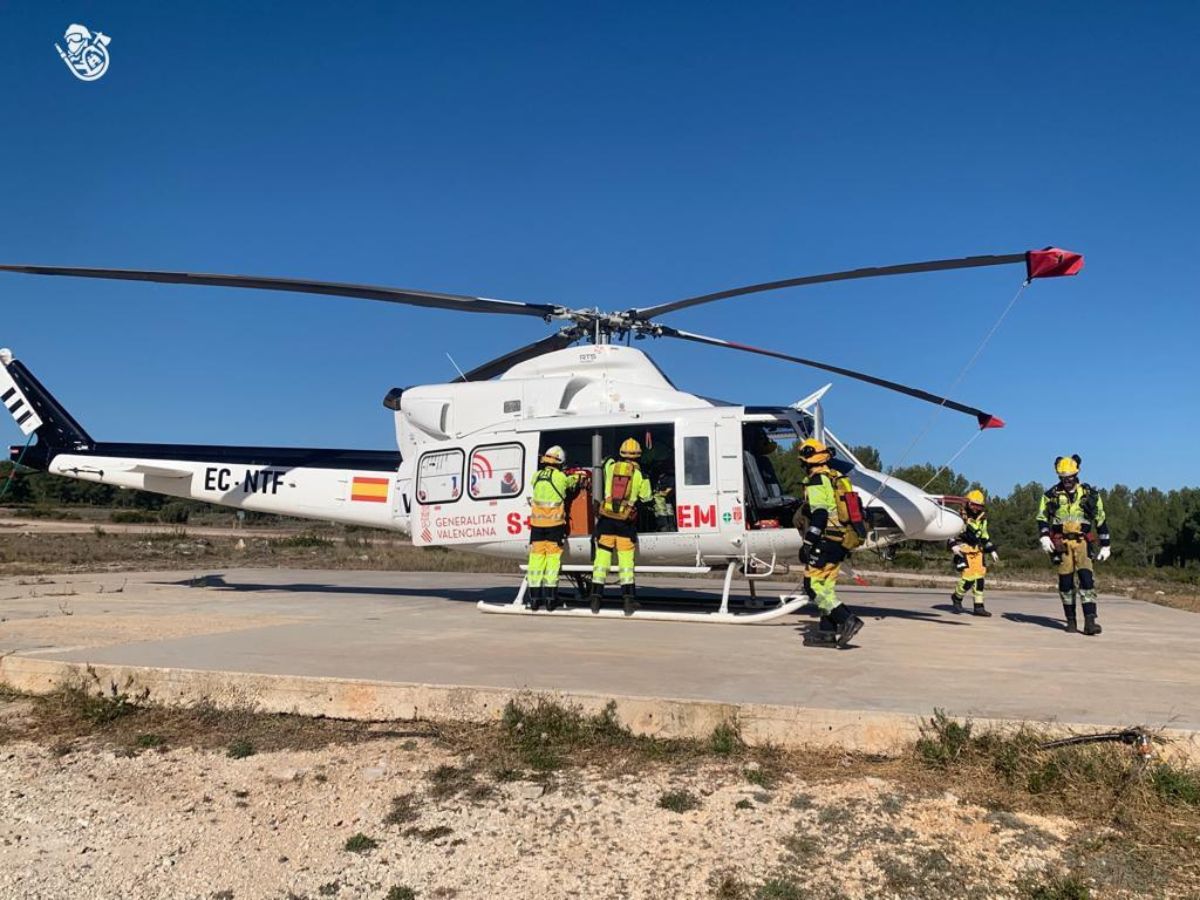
(616,525)
(548,527)
(825,542)
(1072,523)
(969,549)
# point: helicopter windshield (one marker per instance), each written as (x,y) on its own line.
(787,426)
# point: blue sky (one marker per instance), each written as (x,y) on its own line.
(617,155)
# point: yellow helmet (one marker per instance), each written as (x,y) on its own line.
(1065,466)
(630,449)
(975,497)
(813,451)
(554,456)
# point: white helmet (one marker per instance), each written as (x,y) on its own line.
(554,456)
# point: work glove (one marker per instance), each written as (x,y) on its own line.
(995,556)
(960,562)
(1047,544)
(811,555)
(1103,554)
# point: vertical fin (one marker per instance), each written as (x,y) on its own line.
(35,410)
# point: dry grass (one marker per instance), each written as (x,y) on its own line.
(92,714)
(537,736)
(1144,813)
(44,554)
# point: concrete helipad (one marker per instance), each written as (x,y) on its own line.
(374,629)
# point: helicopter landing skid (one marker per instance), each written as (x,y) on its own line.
(720,616)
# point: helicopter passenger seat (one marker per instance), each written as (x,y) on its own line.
(768,506)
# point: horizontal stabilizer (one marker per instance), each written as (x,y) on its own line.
(159,471)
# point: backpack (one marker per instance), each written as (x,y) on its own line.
(616,503)
(849,511)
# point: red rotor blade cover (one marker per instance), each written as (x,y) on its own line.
(1052,262)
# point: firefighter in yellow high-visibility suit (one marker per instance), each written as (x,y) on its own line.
(548,528)
(1074,531)
(969,548)
(616,524)
(824,549)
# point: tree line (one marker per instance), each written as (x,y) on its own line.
(41,493)
(1150,527)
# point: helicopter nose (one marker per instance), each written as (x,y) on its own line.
(920,516)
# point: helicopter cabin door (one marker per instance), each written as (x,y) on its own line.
(473,491)
(708,467)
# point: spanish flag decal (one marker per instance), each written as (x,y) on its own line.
(369,490)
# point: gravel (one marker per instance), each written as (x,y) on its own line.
(183,823)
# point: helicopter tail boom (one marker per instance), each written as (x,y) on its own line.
(351,486)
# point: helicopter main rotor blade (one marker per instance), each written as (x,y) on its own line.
(936,265)
(985,420)
(501,364)
(459,302)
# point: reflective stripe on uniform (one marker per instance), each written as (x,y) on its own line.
(548,503)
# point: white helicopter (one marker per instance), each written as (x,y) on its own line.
(467,450)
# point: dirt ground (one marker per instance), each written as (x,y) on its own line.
(188,823)
(104,800)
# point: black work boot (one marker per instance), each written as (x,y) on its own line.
(1090,625)
(956,600)
(848,624)
(981,610)
(848,629)
(1072,622)
(629,595)
(597,596)
(535,598)
(824,634)
(552,598)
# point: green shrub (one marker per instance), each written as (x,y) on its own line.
(779,889)
(302,541)
(544,734)
(360,843)
(907,559)
(1056,887)
(1176,785)
(943,739)
(99,709)
(175,513)
(240,749)
(724,739)
(130,517)
(679,801)
(761,777)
